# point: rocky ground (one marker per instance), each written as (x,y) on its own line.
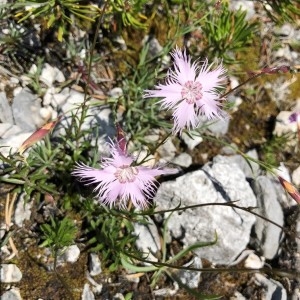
(208,172)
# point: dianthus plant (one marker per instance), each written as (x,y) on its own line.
(121,179)
(191,90)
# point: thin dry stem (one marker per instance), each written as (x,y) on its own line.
(9,205)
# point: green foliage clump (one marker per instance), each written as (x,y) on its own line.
(56,13)
(227,32)
(110,233)
(129,13)
(58,234)
(281,11)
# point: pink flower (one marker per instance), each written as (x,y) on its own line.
(192,90)
(295,117)
(120,180)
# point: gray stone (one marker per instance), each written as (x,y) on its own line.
(191,140)
(296,294)
(191,278)
(26,109)
(13,143)
(271,289)
(284,53)
(247,6)
(10,273)
(96,287)
(148,240)
(56,98)
(218,127)
(237,296)
(99,121)
(94,264)
(23,211)
(166,292)
(155,47)
(219,182)
(51,74)
(87,293)
(296,176)
(183,160)
(267,235)
(12,294)
(286,30)
(167,151)
(7,130)
(248,167)
(254,262)
(6,115)
(121,42)
(71,254)
(285,200)
(116,92)
(118,296)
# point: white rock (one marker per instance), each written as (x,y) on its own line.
(87,293)
(254,262)
(14,142)
(54,98)
(23,211)
(183,160)
(267,235)
(283,172)
(167,151)
(191,140)
(155,47)
(148,239)
(191,278)
(12,294)
(17,91)
(73,101)
(25,108)
(271,289)
(116,93)
(237,296)
(94,264)
(96,287)
(33,69)
(6,115)
(286,30)
(51,74)
(10,273)
(71,254)
(218,127)
(249,168)
(47,99)
(118,296)
(46,113)
(14,81)
(296,176)
(99,120)
(7,130)
(247,6)
(285,200)
(217,182)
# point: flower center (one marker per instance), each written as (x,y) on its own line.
(191,91)
(126,174)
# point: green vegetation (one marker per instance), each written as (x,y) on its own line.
(45,171)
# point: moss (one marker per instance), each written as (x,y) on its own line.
(38,282)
